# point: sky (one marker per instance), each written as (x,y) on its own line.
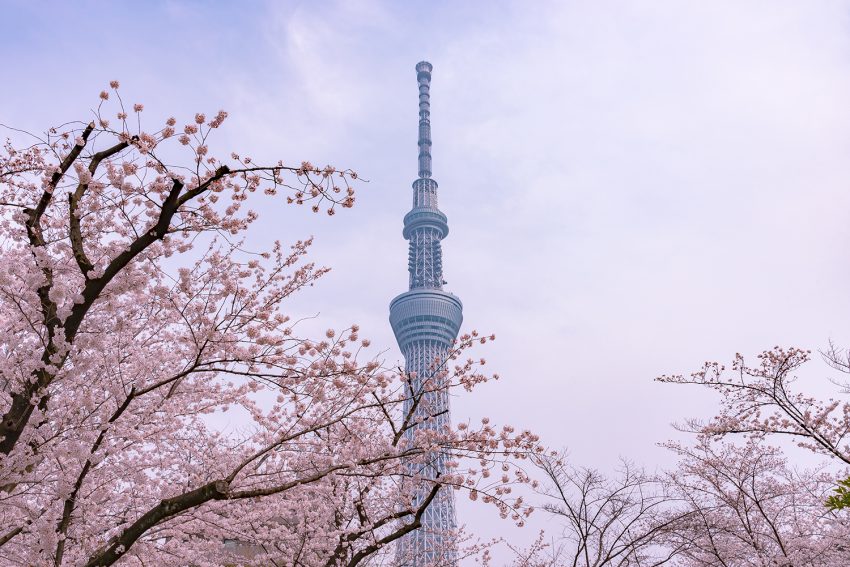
(633,188)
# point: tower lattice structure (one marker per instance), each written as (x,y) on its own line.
(426,321)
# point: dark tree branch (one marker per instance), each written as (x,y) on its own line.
(70,502)
(117,546)
(74,198)
(215,490)
(400,532)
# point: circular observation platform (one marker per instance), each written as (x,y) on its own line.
(426,314)
(425,217)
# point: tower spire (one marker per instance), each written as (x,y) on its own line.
(426,321)
(425,226)
(423,76)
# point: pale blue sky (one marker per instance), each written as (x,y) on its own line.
(632,187)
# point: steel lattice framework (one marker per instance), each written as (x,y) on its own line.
(426,321)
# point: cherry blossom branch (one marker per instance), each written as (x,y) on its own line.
(765,388)
(33,223)
(68,506)
(398,533)
(74,198)
(10,534)
(214,490)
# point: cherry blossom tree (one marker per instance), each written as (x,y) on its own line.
(133,321)
(743,505)
(605,521)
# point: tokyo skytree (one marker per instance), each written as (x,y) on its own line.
(426,321)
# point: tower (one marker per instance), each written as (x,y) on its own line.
(426,321)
